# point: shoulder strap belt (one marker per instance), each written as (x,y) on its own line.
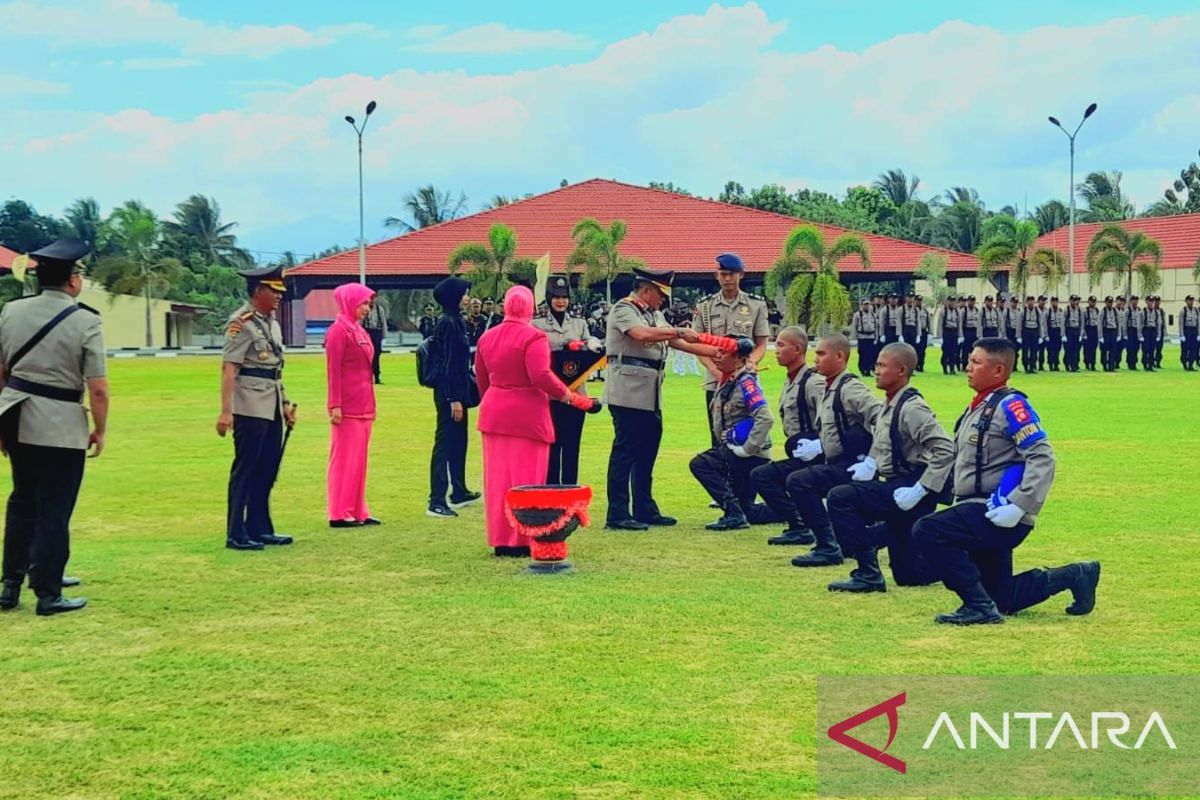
(37,337)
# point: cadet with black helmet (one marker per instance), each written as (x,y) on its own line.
(951,327)
(1135,322)
(1189,334)
(866,327)
(1092,335)
(1073,319)
(972,323)
(51,349)
(1112,321)
(989,318)
(1055,321)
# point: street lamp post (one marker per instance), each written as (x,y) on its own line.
(362,238)
(1071,227)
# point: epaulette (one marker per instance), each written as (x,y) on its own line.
(756,297)
(86,307)
(234,328)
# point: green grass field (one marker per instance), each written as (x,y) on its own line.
(404,661)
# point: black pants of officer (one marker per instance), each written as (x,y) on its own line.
(1091,343)
(1158,350)
(1189,348)
(889,337)
(1132,348)
(448,462)
(1054,346)
(638,434)
(968,553)
(949,351)
(726,478)
(964,350)
(1110,351)
(376,335)
(909,334)
(564,453)
(37,535)
(712,436)
(1041,354)
(854,508)
(1014,340)
(1029,350)
(808,488)
(922,346)
(866,356)
(770,482)
(1071,350)
(257,449)
(1149,348)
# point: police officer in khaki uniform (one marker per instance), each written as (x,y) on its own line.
(924,326)
(636,340)
(1032,331)
(742,425)
(1112,331)
(51,350)
(1151,328)
(950,324)
(972,327)
(1056,321)
(1073,319)
(1092,336)
(890,320)
(255,406)
(1135,321)
(565,332)
(731,312)
(899,481)
(1003,470)
(1189,334)
(865,323)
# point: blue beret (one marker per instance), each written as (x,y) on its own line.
(730,262)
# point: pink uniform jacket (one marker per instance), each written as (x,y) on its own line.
(348,355)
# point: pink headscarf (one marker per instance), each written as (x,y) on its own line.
(518,305)
(349,297)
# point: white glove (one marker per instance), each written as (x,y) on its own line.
(1008,515)
(738,450)
(807,449)
(594,345)
(864,470)
(907,497)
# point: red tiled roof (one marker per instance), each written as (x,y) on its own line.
(6,257)
(1177,236)
(667,230)
(319,304)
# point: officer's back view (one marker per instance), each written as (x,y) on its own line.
(50,348)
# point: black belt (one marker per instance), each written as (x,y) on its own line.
(42,390)
(634,361)
(260,372)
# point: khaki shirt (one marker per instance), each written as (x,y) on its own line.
(1159,321)
(1073,318)
(1032,321)
(253,341)
(1189,318)
(1091,318)
(1135,320)
(949,320)
(971,319)
(632,385)
(66,358)
(737,399)
(861,408)
(890,319)
(789,400)
(990,318)
(744,315)
(1011,321)
(1056,320)
(572,329)
(1015,436)
(864,324)
(925,442)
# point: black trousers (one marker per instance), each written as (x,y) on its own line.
(991,333)
(889,337)
(37,535)
(967,550)
(376,335)
(808,488)
(909,334)
(726,477)
(866,356)
(1091,343)
(1132,346)
(448,463)
(564,453)
(1189,347)
(922,345)
(1071,351)
(949,350)
(1014,340)
(770,481)
(1158,351)
(856,506)
(637,436)
(1110,350)
(1149,348)
(257,450)
(1029,350)
(712,435)
(1053,347)
(964,350)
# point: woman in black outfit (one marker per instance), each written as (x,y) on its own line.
(453,387)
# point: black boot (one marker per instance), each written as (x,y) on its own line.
(825,554)
(977,609)
(733,520)
(1081,578)
(867,578)
(795,533)
(10,595)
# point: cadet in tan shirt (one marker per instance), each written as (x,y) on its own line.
(899,481)
(1003,470)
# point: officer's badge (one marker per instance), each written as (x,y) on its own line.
(570,369)
(744,310)
(264,356)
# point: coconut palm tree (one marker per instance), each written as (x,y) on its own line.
(1007,244)
(806,274)
(598,252)
(1116,250)
(1051,215)
(959,227)
(140,267)
(82,221)
(197,227)
(897,186)
(428,206)
(490,263)
(1102,193)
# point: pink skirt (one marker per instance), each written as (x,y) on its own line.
(509,461)
(347,477)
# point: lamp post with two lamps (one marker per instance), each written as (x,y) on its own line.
(1071,136)
(362,240)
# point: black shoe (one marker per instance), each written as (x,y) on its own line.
(239,544)
(729,522)
(511,552)
(794,535)
(1084,588)
(658,520)
(49,606)
(857,583)
(346,523)
(714,504)
(69,581)
(10,596)
(465,500)
(971,615)
(371,521)
(815,559)
(438,510)
(276,540)
(630,524)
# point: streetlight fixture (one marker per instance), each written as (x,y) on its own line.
(362,239)
(1071,136)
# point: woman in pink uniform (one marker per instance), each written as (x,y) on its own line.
(351,406)
(512,366)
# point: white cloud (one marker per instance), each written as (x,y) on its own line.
(14,85)
(491,39)
(121,23)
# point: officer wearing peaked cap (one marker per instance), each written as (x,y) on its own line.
(1189,334)
(255,407)
(51,352)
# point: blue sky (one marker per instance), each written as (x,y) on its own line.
(139,98)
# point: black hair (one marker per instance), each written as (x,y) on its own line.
(998,348)
(54,275)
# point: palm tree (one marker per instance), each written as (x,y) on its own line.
(897,186)
(806,274)
(198,223)
(1051,215)
(491,262)
(140,267)
(959,227)
(1102,193)
(932,270)
(82,221)
(597,250)
(1114,249)
(1006,244)
(428,206)
(959,194)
